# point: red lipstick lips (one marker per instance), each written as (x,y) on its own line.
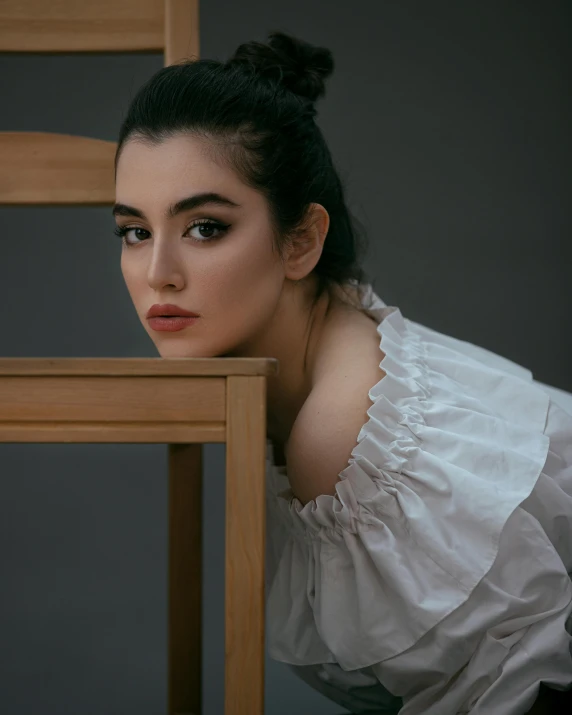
(168,309)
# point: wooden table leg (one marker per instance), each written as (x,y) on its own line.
(185,579)
(245,534)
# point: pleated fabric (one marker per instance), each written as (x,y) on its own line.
(437,580)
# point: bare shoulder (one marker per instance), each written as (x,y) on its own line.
(326,428)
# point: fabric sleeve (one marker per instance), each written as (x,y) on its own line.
(440,561)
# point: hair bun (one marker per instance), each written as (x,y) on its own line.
(301,67)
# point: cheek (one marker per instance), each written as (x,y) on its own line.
(131,277)
(127,272)
(248,280)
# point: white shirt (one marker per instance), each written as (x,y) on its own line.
(437,579)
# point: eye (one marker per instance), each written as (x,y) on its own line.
(208,225)
(203,225)
(122,231)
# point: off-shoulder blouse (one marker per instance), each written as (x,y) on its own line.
(437,580)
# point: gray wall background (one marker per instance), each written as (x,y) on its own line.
(450,123)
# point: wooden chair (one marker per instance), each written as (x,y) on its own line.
(180,402)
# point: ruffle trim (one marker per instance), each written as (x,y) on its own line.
(453,444)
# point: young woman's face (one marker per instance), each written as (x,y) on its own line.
(233,281)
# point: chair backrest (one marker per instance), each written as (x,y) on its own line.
(50,168)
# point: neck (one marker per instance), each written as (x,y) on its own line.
(293,338)
(297,335)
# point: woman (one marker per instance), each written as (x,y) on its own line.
(419,486)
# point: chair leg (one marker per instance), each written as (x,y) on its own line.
(185,579)
(244,549)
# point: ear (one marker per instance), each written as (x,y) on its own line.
(308,243)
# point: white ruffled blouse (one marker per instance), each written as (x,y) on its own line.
(437,580)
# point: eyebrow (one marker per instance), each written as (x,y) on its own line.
(191,202)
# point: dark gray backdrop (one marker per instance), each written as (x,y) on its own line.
(450,123)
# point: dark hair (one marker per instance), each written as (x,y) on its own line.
(257,110)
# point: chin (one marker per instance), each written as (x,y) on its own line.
(182,353)
(185,351)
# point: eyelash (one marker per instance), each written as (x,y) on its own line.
(121,231)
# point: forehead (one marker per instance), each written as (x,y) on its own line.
(160,174)
(174,157)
